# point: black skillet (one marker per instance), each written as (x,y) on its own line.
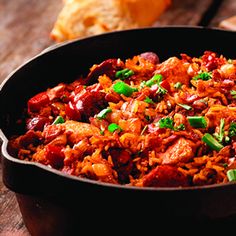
(53,203)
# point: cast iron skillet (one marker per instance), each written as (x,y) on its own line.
(53,203)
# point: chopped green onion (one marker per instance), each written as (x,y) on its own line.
(148,118)
(187,107)
(161,90)
(123,88)
(227,139)
(197,121)
(211,142)
(233,93)
(203,76)
(148,100)
(58,120)
(232,129)
(102,114)
(124,74)
(231,174)
(144,129)
(142,84)
(178,85)
(156,79)
(220,136)
(225,165)
(202,101)
(179,127)
(63,96)
(166,123)
(113,127)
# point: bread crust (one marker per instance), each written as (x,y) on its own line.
(144,12)
(81,18)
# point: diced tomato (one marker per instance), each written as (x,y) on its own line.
(211,61)
(37,102)
(55,156)
(165,84)
(72,112)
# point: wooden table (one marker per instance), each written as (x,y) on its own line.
(24,32)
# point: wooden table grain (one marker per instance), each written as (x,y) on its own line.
(24,32)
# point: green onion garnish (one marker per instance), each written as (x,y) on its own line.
(58,120)
(103,113)
(148,100)
(233,93)
(211,142)
(197,121)
(203,76)
(220,136)
(124,74)
(225,165)
(179,127)
(232,129)
(178,85)
(123,88)
(156,79)
(231,174)
(144,129)
(113,127)
(187,107)
(166,123)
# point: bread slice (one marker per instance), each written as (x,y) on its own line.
(81,18)
(228,23)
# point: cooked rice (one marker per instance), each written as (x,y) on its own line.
(139,152)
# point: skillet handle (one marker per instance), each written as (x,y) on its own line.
(2,138)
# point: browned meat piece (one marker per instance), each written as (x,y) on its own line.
(86,103)
(173,70)
(218,112)
(37,123)
(108,67)
(151,57)
(75,131)
(181,151)
(78,130)
(28,138)
(165,176)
